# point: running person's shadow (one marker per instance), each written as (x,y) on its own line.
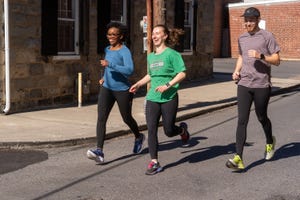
(172,144)
(285,151)
(163,146)
(204,154)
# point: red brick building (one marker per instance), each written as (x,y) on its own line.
(281,17)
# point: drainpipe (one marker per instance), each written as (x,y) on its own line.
(7,61)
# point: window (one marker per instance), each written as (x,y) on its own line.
(188,25)
(109,10)
(119,11)
(60,27)
(67,30)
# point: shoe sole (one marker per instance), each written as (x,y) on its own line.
(231,165)
(160,169)
(91,155)
(94,157)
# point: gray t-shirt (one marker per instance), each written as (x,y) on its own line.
(256,73)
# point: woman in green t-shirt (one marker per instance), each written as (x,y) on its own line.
(166,70)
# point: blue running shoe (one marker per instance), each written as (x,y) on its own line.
(153,168)
(96,155)
(138,144)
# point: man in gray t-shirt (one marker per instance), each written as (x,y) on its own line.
(258,50)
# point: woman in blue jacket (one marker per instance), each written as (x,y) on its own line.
(118,65)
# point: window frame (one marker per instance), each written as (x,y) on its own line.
(49,32)
(124,13)
(75,15)
(191,23)
(104,17)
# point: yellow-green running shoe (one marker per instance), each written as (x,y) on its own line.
(235,163)
(270,150)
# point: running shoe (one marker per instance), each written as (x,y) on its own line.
(153,168)
(138,144)
(270,150)
(185,136)
(235,163)
(96,155)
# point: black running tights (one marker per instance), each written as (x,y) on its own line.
(168,113)
(106,100)
(245,97)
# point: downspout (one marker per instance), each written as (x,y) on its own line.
(7,55)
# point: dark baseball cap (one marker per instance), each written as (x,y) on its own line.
(251,12)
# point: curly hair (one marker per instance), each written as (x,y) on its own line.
(122,29)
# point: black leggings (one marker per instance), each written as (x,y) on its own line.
(245,97)
(106,100)
(168,112)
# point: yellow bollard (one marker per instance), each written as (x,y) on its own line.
(79,89)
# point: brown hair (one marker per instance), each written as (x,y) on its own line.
(173,34)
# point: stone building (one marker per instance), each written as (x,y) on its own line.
(46,43)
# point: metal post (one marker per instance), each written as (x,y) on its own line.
(79,89)
(149,26)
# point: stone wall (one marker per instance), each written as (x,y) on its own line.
(41,82)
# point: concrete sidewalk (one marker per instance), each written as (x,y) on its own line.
(73,125)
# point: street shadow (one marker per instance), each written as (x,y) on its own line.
(285,151)
(125,157)
(204,154)
(163,146)
(288,150)
(206,103)
(172,144)
(12,160)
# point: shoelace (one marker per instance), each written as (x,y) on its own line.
(269,148)
(151,164)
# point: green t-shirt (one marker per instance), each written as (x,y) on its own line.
(162,68)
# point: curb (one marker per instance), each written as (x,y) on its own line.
(111,135)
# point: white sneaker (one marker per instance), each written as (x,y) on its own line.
(270,150)
(96,155)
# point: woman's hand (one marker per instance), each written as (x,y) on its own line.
(101,81)
(104,63)
(134,88)
(162,88)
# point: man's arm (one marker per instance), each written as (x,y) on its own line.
(273,59)
(238,67)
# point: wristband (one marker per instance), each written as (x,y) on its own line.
(262,56)
(168,84)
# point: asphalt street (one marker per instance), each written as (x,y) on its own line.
(196,172)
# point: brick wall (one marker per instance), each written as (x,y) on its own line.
(282,19)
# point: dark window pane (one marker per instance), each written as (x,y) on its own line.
(65,9)
(49,27)
(66,23)
(117,10)
(187,38)
(65,36)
